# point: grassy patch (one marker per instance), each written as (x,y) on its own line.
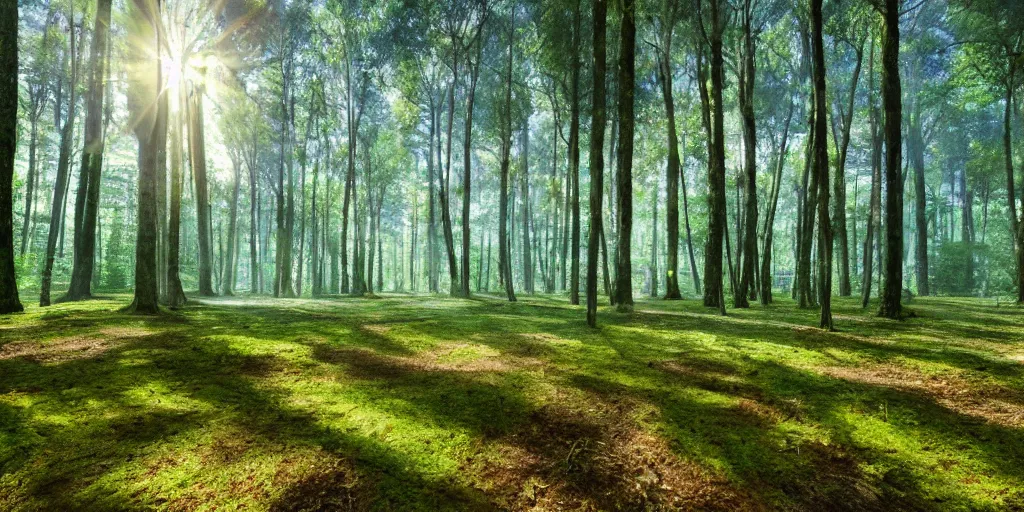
(429,403)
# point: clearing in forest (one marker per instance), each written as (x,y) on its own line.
(428,403)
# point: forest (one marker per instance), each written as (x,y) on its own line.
(511,255)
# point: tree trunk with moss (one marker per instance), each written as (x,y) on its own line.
(624,167)
(892,102)
(9,302)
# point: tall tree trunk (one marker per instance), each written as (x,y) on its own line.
(1015,222)
(714,125)
(769,221)
(915,146)
(809,186)
(967,227)
(175,294)
(60,188)
(431,207)
(414,236)
(574,152)
(467,142)
(9,302)
(349,179)
(875,199)
(30,180)
(694,276)
(892,101)
(446,217)
(197,148)
(597,125)
(672,168)
(624,171)
(151,131)
(228,279)
(487,272)
(524,155)
(821,170)
(480,264)
(87,200)
(316,276)
(654,241)
(748,245)
(843,243)
(504,251)
(287,283)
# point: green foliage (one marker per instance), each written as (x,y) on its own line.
(954,269)
(117,265)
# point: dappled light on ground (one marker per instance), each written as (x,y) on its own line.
(431,403)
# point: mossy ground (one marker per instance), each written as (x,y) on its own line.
(430,403)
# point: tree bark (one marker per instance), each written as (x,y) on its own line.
(197,148)
(574,153)
(672,167)
(875,195)
(87,198)
(821,170)
(915,146)
(504,251)
(597,125)
(748,258)
(892,101)
(843,242)
(175,294)
(228,278)
(60,188)
(624,171)
(446,218)
(524,156)
(466,170)
(714,125)
(769,220)
(151,131)
(654,241)
(9,302)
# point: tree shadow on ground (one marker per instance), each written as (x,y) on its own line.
(570,418)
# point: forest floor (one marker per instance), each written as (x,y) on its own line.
(431,403)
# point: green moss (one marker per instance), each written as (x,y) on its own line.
(430,403)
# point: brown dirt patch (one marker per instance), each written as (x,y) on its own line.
(324,483)
(597,458)
(369,364)
(991,403)
(70,348)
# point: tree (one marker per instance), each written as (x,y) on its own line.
(892,104)
(855,40)
(665,71)
(87,200)
(467,141)
(713,118)
(995,32)
(39,89)
(504,249)
(574,144)
(150,127)
(624,167)
(197,157)
(747,77)
(875,200)
(821,170)
(597,122)
(9,302)
(175,293)
(60,187)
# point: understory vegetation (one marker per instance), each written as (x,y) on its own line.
(422,403)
